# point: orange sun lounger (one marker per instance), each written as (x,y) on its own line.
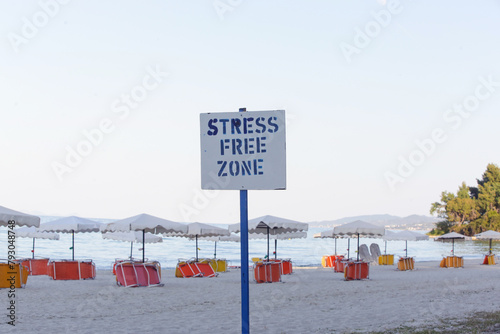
(71,270)
(356,270)
(16,270)
(329,261)
(36,266)
(267,271)
(286,266)
(193,268)
(406,263)
(136,274)
(452,262)
(340,264)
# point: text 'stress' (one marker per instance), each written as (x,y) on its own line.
(243,150)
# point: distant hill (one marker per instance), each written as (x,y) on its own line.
(415,222)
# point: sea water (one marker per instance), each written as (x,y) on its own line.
(303,252)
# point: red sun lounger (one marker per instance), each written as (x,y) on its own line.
(192,268)
(71,270)
(36,266)
(135,274)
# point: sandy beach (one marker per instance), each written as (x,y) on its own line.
(311,300)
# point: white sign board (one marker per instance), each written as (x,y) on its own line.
(243,150)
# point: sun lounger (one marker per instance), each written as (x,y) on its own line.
(71,270)
(219,265)
(489,259)
(375,251)
(329,261)
(36,266)
(340,263)
(356,270)
(452,262)
(267,271)
(17,271)
(286,266)
(386,260)
(364,253)
(193,268)
(406,263)
(136,274)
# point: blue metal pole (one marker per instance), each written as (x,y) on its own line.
(245,296)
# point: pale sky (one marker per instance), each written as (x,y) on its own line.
(361,82)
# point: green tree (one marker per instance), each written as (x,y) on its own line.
(472,209)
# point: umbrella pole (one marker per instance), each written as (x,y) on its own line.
(490,244)
(335,246)
(406,248)
(131,247)
(348,246)
(268,243)
(385,250)
(275,249)
(143,245)
(452,247)
(196,247)
(358,248)
(215,250)
(73,243)
(33,253)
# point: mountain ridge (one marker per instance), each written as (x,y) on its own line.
(390,221)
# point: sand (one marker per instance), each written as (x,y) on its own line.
(308,301)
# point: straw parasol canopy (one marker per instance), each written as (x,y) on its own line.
(451,236)
(196,230)
(71,224)
(271,225)
(35,233)
(359,228)
(144,223)
(132,236)
(19,218)
(488,235)
(405,236)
